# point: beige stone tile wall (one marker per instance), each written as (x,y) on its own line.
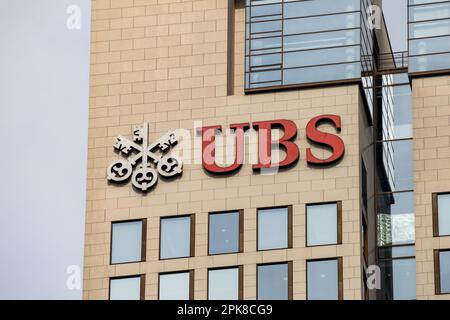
(165,62)
(431,105)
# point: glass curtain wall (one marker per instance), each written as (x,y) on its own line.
(292,42)
(429,35)
(394,196)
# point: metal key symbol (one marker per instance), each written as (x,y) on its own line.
(140,158)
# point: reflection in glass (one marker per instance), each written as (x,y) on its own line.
(174,286)
(395,165)
(322,277)
(399,276)
(125,288)
(175,237)
(126,243)
(223,284)
(224,232)
(395,218)
(273,282)
(272,228)
(322,224)
(444,214)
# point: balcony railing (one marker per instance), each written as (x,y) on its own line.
(390,62)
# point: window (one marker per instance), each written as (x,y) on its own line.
(398,273)
(324,279)
(441,214)
(273,228)
(225,284)
(274,281)
(128,241)
(177,236)
(442,271)
(127,288)
(225,232)
(323,224)
(395,218)
(176,286)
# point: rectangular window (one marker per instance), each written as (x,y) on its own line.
(441,214)
(176,286)
(398,273)
(395,218)
(128,241)
(225,234)
(274,226)
(323,224)
(324,279)
(127,288)
(177,236)
(442,271)
(274,281)
(225,284)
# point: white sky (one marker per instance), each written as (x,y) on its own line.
(43,129)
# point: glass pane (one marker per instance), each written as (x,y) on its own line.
(273,282)
(444,214)
(400,279)
(268,26)
(430,45)
(429,29)
(272,228)
(322,224)
(126,242)
(322,56)
(224,233)
(395,165)
(395,121)
(324,73)
(444,267)
(323,23)
(265,10)
(125,289)
(321,40)
(323,280)
(318,7)
(175,237)
(266,76)
(429,12)
(395,218)
(223,284)
(396,252)
(429,63)
(174,286)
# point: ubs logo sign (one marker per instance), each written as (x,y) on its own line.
(145,161)
(142,157)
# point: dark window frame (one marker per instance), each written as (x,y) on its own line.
(191,281)
(290,276)
(240,279)
(240,231)
(435,209)
(340,274)
(142,284)
(143,240)
(338,223)
(192,236)
(437,272)
(289,229)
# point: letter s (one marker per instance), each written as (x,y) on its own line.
(325,139)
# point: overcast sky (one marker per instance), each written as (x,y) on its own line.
(43,128)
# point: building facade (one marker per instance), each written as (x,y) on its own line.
(337,181)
